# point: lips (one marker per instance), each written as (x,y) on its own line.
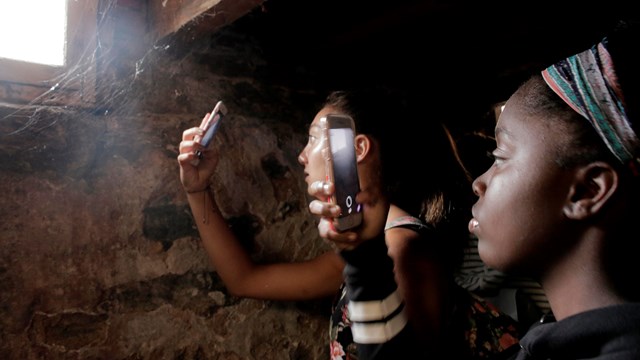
(473,224)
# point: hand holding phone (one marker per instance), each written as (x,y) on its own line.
(210,125)
(342,168)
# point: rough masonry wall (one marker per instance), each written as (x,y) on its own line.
(99,256)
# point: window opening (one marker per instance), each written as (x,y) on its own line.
(33,31)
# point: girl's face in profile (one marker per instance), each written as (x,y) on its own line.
(312,156)
(518,217)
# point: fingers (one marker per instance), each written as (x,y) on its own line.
(347,240)
(191,133)
(189,147)
(324,209)
(186,158)
(204,121)
(321,189)
(327,211)
(191,140)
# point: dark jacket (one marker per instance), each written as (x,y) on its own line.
(610,333)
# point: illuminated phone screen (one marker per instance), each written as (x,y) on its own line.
(215,121)
(345,169)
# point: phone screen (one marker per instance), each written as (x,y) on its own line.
(211,125)
(345,170)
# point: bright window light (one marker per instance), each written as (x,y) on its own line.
(33,30)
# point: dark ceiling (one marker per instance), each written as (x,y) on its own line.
(461,54)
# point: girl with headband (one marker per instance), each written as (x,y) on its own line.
(560,204)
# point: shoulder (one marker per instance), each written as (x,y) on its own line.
(398,218)
(406,222)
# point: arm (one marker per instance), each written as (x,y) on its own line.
(377,311)
(423,281)
(311,279)
(379,322)
(389,270)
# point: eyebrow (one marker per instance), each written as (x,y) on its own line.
(500,131)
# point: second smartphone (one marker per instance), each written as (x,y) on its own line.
(342,168)
(210,126)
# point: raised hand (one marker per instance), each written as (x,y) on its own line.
(195,172)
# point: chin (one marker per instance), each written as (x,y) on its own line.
(487,256)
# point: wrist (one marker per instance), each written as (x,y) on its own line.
(366,251)
(198,202)
(369,271)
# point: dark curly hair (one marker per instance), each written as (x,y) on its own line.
(420,172)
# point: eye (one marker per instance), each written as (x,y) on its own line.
(495,155)
(311,139)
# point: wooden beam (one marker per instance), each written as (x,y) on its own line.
(174,17)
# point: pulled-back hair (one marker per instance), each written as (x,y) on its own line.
(420,171)
(535,99)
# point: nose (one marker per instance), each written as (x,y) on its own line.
(302,157)
(479,185)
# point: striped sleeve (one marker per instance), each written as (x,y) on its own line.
(376,308)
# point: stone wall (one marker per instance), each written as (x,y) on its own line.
(99,256)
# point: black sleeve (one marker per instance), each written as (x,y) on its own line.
(376,309)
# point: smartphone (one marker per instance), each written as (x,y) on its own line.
(342,168)
(211,124)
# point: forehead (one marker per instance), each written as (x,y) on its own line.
(517,127)
(323,112)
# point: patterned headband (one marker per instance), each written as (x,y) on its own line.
(588,83)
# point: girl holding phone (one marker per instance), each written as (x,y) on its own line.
(411,205)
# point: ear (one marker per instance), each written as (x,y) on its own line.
(363,146)
(594,185)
